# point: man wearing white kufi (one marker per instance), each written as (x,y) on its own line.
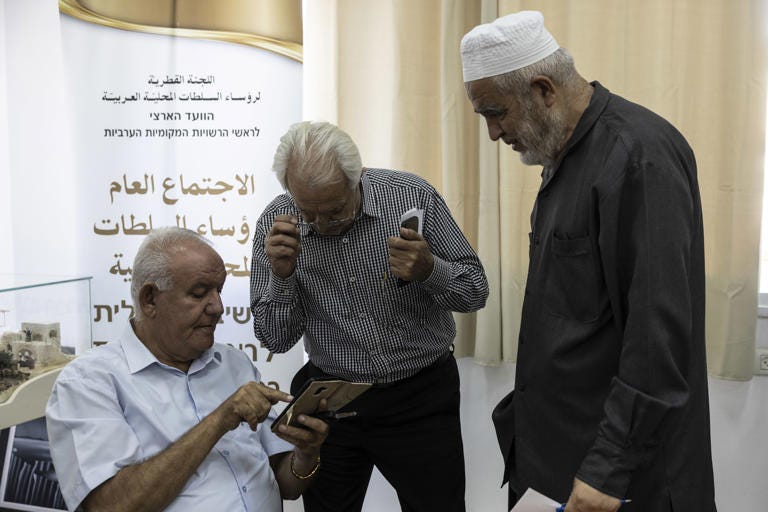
(609,408)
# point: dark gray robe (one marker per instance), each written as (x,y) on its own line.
(611,383)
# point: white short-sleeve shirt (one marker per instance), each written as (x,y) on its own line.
(117,405)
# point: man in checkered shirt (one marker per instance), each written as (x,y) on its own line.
(373,302)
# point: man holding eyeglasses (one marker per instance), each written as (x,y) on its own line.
(373,302)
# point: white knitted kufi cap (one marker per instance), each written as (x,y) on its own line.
(506,44)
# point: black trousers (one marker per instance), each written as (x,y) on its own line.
(409,430)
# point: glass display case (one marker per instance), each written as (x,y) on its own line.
(45,321)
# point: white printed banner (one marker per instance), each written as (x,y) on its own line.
(175,131)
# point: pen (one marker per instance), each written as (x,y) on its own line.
(333,415)
(561,508)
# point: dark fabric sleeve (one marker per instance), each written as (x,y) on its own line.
(648,223)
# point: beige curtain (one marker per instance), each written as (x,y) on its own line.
(389,73)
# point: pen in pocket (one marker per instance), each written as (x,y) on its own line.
(333,415)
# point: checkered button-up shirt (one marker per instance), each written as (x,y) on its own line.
(356,321)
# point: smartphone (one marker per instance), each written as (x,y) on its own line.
(412,219)
(337,392)
(411,223)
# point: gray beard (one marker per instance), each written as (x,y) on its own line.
(533,157)
(542,135)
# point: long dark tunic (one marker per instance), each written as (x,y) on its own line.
(611,383)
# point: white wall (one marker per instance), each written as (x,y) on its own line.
(38,205)
(6,240)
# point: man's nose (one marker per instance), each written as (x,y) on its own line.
(215,305)
(494,129)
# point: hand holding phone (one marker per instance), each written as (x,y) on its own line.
(337,392)
(413,219)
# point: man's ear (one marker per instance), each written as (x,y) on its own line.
(543,90)
(148,300)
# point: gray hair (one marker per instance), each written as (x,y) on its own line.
(558,67)
(315,152)
(152,263)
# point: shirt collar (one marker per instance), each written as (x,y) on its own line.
(138,356)
(597,103)
(589,117)
(370,204)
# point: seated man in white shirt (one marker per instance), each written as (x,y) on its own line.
(166,419)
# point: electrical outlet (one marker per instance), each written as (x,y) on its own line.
(761,361)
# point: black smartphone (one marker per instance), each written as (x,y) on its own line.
(412,219)
(411,222)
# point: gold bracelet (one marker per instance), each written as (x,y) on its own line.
(311,473)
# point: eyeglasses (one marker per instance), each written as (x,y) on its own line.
(331,226)
(326,227)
